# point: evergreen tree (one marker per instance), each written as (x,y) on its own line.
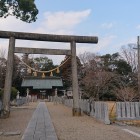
(24,10)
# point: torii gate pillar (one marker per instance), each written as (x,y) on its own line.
(76,108)
(8,78)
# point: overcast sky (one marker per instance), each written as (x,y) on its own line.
(115,22)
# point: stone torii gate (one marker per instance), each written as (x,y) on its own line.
(12,36)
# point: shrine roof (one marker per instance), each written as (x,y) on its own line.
(42,83)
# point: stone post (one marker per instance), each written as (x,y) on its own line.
(64,91)
(8,79)
(76,106)
(56,92)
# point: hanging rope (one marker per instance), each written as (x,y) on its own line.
(49,71)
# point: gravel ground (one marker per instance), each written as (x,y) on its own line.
(84,128)
(18,120)
(67,127)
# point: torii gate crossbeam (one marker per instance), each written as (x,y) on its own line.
(42,37)
(49,37)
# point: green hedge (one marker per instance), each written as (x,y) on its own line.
(13,93)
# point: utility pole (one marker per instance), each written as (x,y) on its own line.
(138,53)
(138,44)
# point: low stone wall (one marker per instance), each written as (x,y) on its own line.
(128,110)
(32,98)
(100,111)
(17,102)
(56,99)
(21,101)
(68,102)
(50,98)
(85,106)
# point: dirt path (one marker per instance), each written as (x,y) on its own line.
(67,127)
(84,128)
(17,121)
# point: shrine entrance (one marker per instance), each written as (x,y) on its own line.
(42,87)
(12,36)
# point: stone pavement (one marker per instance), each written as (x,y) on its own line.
(40,126)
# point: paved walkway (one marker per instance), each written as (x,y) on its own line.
(40,126)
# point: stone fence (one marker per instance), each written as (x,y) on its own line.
(21,101)
(98,110)
(128,110)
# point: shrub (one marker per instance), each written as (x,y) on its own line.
(13,93)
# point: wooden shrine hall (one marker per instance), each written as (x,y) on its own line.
(42,87)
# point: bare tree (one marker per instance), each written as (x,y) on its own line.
(96,83)
(126,94)
(130,55)
(87,57)
(125,88)
(2,67)
(95,79)
(2,53)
